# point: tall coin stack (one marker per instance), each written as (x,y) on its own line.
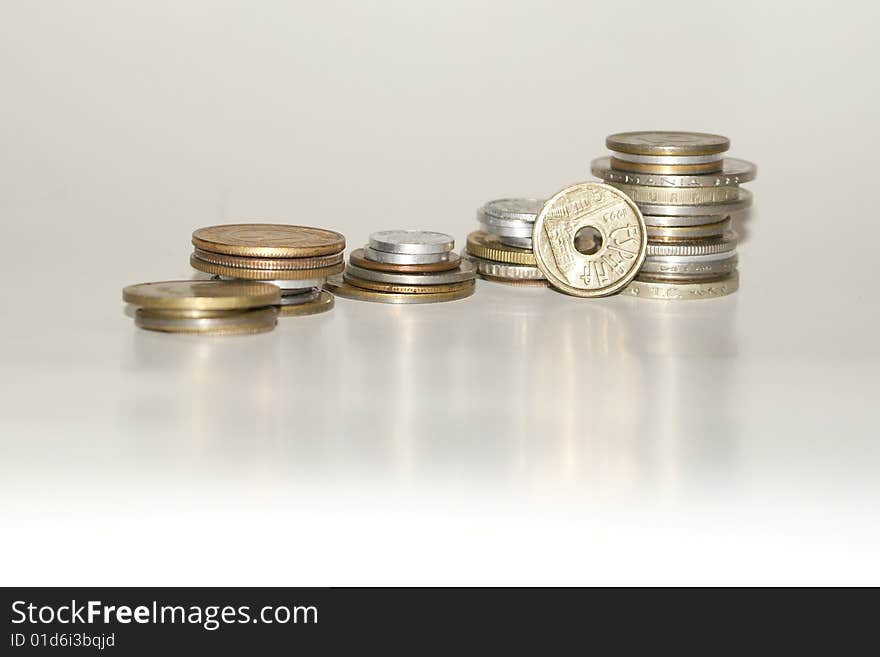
(405,266)
(686,191)
(296,259)
(502,250)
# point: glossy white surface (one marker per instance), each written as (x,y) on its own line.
(517,437)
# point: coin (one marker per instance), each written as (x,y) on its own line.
(403,289)
(744,201)
(357,258)
(674,233)
(268,263)
(465,272)
(265,274)
(411,241)
(723,244)
(504,270)
(201,295)
(517,242)
(268,240)
(733,172)
(323,302)
(340,288)
(647,289)
(290,286)
(489,247)
(505,228)
(239,323)
(299,297)
(518,282)
(676,196)
(712,265)
(675,169)
(512,209)
(618,248)
(667,159)
(695,220)
(404,258)
(663,142)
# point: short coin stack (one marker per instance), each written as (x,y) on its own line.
(502,250)
(296,259)
(204,307)
(686,191)
(405,266)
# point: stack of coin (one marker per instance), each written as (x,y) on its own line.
(204,307)
(502,250)
(405,266)
(687,192)
(296,259)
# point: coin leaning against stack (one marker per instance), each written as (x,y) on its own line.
(686,191)
(502,249)
(204,307)
(405,267)
(295,259)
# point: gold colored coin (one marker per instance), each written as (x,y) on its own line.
(268,240)
(322,304)
(677,195)
(648,288)
(489,247)
(667,142)
(672,169)
(268,263)
(357,259)
(342,289)
(201,295)
(589,240)
(237,323)
(678,233)
(396,288)
(518,282)
(265,274)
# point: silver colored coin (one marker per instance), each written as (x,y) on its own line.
(504,270)
(300,297)
(464,272)
(680,222)
(679,195)
(404,258)
(292,285)
(512,209)
(411,241)
(501,228)
(667,142)
(725,244)
(714,265)
(249,321)
(516,242)
(733,172)
(745,200)
(667,159)
(648,289)
(688,232)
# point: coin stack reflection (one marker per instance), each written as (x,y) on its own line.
(502,250)
(405,267)
(687,192)
(296,259)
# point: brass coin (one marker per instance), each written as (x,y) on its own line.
(357,258)
(654,289)
(265,274)
(667,142)
(677,233)
(590,240)
(322,304)
(489,247)
(518,282)
(342,289)
(268,263)
(268,240)
(238,323)
(395,288)
(201,295)
(672,169)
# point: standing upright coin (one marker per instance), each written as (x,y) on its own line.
(411,242)
(664,142)
(268,240)
(590,240)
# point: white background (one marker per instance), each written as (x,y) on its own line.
(518,437)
